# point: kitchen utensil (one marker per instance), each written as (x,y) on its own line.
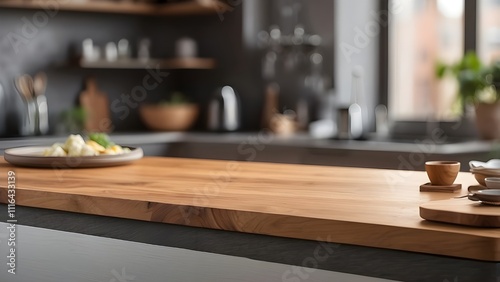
(42,112)
(350,120)
(461,197)
(24,86)
(96,106)
(224,110)
(442,173)
(461,211)
(270,104)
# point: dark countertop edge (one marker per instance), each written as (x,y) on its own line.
(360,260)
(301,140)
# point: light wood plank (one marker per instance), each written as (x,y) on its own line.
(369,207)
(462,211)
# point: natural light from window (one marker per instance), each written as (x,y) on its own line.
(489,30)
(423,32)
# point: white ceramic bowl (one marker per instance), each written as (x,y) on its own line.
(492,182)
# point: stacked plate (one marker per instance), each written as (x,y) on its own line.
(488,197)
(482,170)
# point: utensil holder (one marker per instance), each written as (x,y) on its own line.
(29,119)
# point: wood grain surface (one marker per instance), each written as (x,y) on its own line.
(368,207)
(462,211)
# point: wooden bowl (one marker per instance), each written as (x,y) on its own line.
(169,117)
(480,178)
(442,172)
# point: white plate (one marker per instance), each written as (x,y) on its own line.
(491,164)
(489,196)
(32,157)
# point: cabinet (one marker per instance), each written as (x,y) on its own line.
(179,8)
(72,21)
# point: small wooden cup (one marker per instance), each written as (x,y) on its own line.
(442,173)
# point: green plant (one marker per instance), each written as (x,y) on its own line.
(73,120)
(177,98)
(492,75)
(470,75)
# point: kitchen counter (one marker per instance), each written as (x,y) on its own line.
(300,140)
(294,149)
(264,211)
(296,201)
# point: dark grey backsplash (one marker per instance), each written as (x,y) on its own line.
(52,46)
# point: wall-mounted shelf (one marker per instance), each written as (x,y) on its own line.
(175,63)
(190,7)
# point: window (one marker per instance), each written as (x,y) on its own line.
(421,33)
(488,31)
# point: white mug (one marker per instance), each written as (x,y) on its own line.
(186,47)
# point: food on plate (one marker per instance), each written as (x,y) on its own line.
(76,146)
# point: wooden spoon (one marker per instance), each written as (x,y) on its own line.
(40,84)
(29,84)
(24,85)
(22,89)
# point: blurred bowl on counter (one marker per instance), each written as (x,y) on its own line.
(483,170)
(169,117)
(482,175)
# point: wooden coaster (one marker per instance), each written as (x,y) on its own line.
(428,187)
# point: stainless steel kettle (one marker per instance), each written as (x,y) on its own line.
(224,110)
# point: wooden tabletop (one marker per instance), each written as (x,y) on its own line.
(368,207)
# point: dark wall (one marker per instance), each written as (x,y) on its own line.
(50,47)
(51,44)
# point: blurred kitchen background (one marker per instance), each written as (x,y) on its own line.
(229,34)
(328,69)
